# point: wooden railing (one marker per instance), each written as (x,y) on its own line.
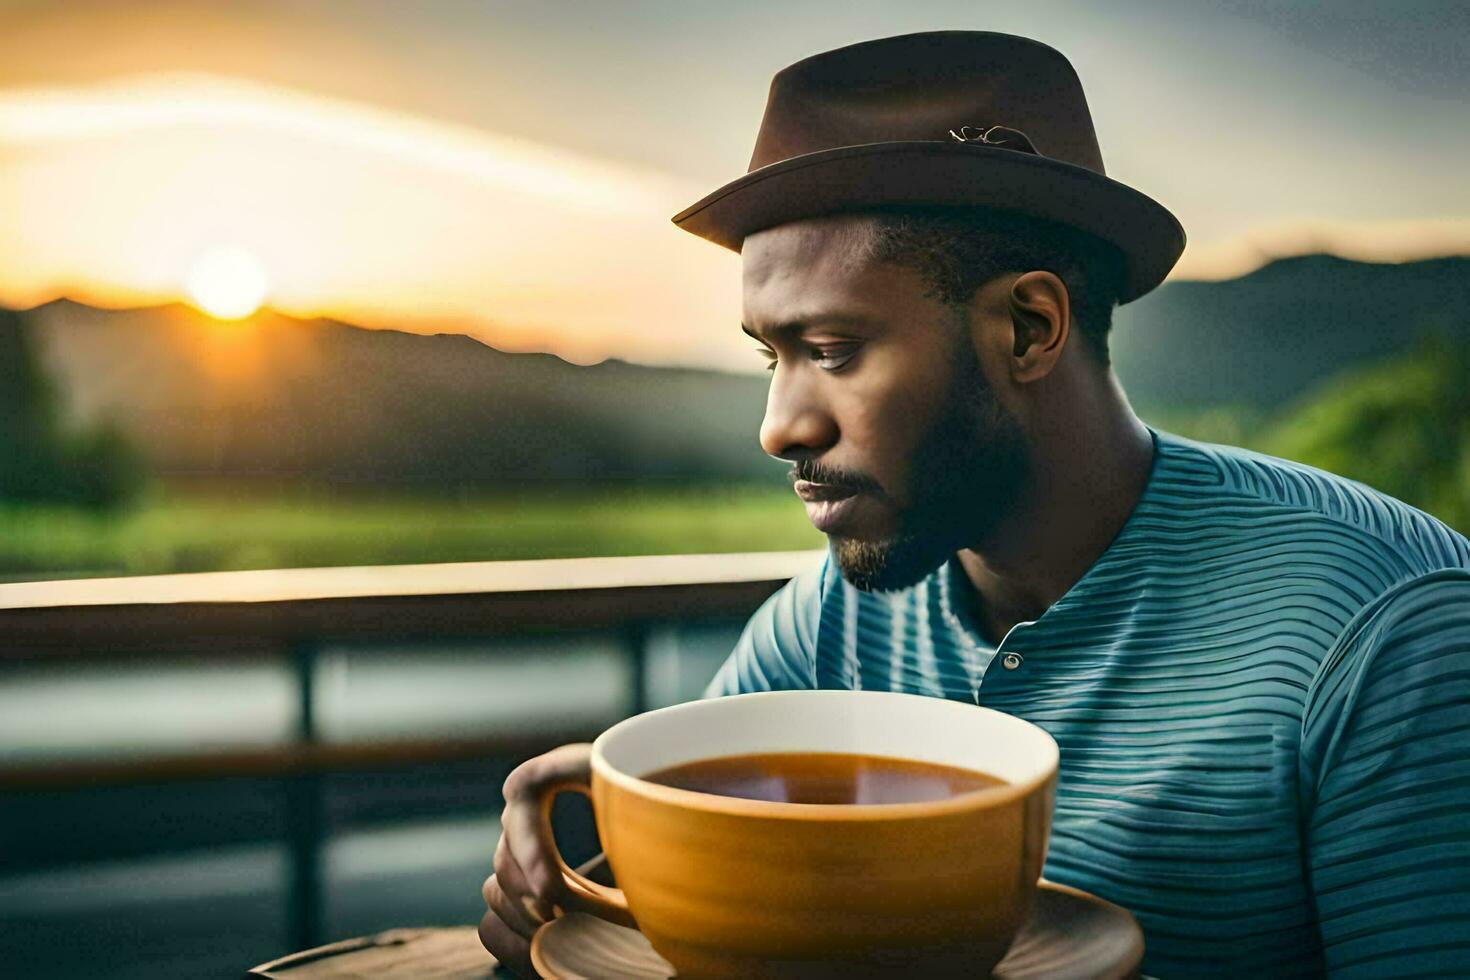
(293,613)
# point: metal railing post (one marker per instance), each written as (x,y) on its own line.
(305,811)
(635,637)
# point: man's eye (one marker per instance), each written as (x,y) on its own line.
(826,358)
(832,358)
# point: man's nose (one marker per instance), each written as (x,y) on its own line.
(797,425)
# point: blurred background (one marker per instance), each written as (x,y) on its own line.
(368,285)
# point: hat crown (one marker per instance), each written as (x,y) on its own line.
(921,86)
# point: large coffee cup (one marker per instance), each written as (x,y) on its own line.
(727,886)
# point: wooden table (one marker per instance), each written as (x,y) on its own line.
(398,954)
(452,953)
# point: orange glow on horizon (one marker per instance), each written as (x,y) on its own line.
(112,191)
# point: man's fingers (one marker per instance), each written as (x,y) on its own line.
(521,820)
(567,762)
(521,831)
(508,911)
(527,879)
(510,949)
(518,906)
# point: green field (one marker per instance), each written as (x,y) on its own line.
(180,529)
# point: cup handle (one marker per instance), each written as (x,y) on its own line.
(600,900)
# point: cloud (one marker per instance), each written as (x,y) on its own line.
(36,117)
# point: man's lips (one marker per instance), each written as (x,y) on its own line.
(826,505)
(810,492)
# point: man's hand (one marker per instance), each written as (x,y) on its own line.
(527,882)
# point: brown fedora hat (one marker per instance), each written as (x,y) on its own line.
(968,118)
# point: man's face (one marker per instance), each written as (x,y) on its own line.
(899,445)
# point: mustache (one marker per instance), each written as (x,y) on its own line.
(815,472)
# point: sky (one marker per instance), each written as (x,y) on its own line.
(509,169)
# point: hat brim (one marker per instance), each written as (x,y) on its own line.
(928,172)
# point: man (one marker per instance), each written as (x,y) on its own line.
(1256,671)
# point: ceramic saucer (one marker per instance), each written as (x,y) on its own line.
(1071,935)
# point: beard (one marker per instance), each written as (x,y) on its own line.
(966,475)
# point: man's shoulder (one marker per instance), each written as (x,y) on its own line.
(1294,499)
(811,584)
(797,604)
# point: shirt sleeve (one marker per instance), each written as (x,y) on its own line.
(1385,779)
(777,649)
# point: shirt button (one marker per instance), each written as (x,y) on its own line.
(1011,661)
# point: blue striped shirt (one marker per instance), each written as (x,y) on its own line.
(1261,691)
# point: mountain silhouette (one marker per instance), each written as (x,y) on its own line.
(1270,336)
(281,397)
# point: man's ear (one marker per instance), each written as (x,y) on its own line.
(1041,320)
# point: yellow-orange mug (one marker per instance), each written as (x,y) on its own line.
(724,886)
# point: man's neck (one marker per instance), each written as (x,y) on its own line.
(1088,473)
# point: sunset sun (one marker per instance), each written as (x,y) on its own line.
(228,283)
